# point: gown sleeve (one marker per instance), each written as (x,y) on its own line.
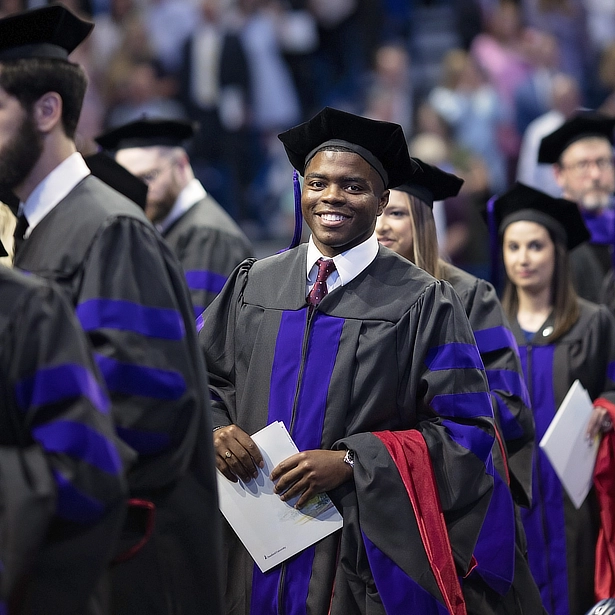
(208,256)
(216,338)
(134,306)
(65,407)
(455,420)
(509,395)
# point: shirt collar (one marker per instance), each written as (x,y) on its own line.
(53,189)
(187,198)
(348,264)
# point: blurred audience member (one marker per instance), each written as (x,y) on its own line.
(473,109)
(533,95)
(500,50)
(146,94)
(389,95)
(565,100)
(340,56)
(566,21)
(169,23)
(214,87)
(606,76)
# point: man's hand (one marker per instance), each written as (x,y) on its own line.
(236,454)
(309,473)
(599,421)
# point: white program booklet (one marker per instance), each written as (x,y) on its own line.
(572,456)
(270,529)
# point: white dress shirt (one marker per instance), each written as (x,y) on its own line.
(348,265)
(187,198)
(53,189)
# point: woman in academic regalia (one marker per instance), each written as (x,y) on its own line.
(407,226)
(561,338)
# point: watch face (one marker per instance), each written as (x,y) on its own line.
(349,458)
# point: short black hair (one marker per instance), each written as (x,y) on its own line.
(28,79)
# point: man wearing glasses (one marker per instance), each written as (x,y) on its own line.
(581,152)
(205,239)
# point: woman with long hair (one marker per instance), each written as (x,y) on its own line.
(407,226)
(561,338)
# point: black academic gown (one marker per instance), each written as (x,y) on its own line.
(209,245)
(588,273)
(52,395)
(130,297)
(505,569)
(562,539)
(387,357)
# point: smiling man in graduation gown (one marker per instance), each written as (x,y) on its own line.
(129,294)
(378,379)
(206,240)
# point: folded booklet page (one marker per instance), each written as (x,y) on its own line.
(572,456)
(270,529)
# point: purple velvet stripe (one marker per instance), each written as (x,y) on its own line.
(264,599)
(282,386)
(511,430)
(200,321)
(471,437)
(463,405)
(544,522)
(307,433)
(144,442)
(399,593)
(286,366)
(495,548)
(610,371)
(205,280)
(54,384)
(508,382)
(495,338)
(454,356)
(600,226)
(79,441)
(318,369)
(297,582)
(162,323)
(74,505)
(198,311)
(3,608)
(130,379)
(265,586)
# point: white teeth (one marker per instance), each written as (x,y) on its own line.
(332,217)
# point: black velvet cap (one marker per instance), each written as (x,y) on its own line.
(382,144)
(47,32)
(430,183)
(118,177)
(582,125)
(147,132)
(560,216)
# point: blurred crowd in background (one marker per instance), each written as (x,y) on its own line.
(474,83)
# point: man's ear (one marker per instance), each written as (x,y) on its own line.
(47,111)
(384,201)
